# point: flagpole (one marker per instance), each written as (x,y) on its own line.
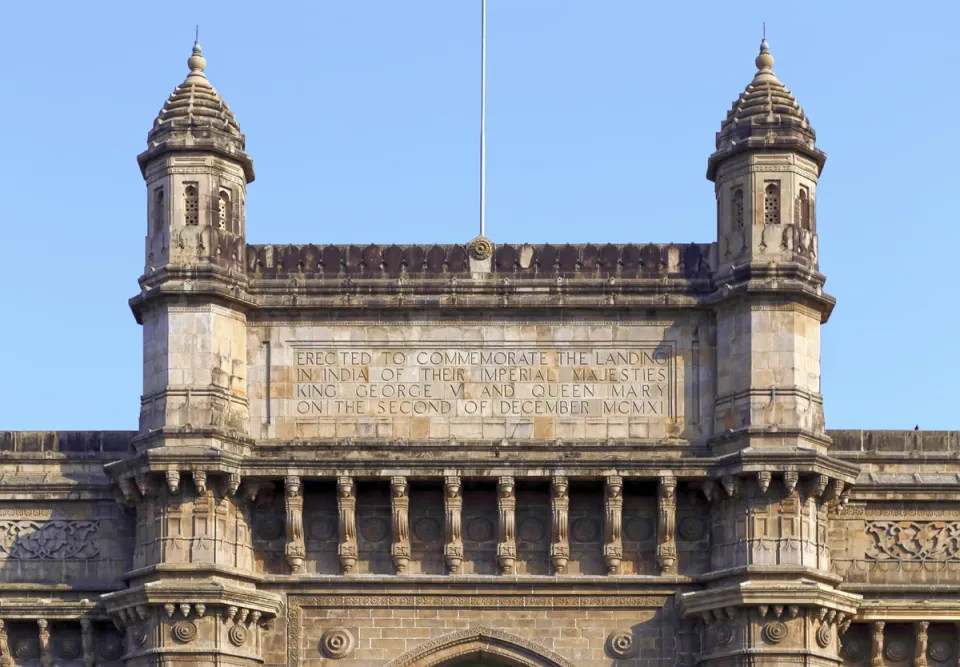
(483,116)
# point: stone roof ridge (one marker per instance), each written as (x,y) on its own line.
(195,102)
(530,260)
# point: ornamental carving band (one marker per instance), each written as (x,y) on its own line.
(914,540)
(48,540)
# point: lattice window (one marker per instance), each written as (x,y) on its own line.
(771,204)
(804,208)
(738,207)
(191,206)
(159,209)
(223,211)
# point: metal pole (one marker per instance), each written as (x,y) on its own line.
(483,116)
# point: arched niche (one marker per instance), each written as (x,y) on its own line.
(480,646)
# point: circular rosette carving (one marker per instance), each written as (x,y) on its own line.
(70,648)
(690,529)
(184,631)
(238,634)
(26,649)
(480,248)
(479,530)
(775,632)
(855,649)
(140,636)
(622,644)
(897,650)
(941,651)
(110,646)
(824,636)
(337,643)
(585,529)
(724,634)
(374,529)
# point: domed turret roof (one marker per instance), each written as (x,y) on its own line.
(765,116)
(196,103)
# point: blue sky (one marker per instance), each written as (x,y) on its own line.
(362,119)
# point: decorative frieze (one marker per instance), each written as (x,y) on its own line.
(49,540)
(666,525)
(453,515)
(914,540)
(400,524)
(506,528)
(613,524)
(559,524)
(295,550)
(347,509)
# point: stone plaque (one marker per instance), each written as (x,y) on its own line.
(485,390)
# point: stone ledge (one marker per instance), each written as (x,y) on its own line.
(67,442)
(878,442)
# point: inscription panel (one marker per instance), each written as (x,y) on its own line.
(469,383)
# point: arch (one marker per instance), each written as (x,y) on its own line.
(480,642)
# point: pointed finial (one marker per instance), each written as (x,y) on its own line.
(196,62)
(765,59)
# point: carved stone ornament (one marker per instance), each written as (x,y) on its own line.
(480,248)
(941,651)
(70,648)
(723,633)
(110,646)
(49,540)
(140,635)
(824,636)
(897,650)
(238,634)
(914,540)
(775,632)
(622,644)
(185,631)
(337,643)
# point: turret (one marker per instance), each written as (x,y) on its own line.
(197,173)
(765,170)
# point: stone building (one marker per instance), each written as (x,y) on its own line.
(542,455)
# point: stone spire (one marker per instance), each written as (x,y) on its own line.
(766,115)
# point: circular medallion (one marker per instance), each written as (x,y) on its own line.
(70,649)
(724,634)
(337,642)
(480,529)
(897,650)
(531,530)
(621,644)
(185,631)
(480,248)
(775,632)
(941,651)
(26,649)
(585,530)
(110,646)
(855,649)
(690,529)
(638,530)
(238,634)
(322,528)
(824,636)
(270,530)
(427,530)
(140,636)
(374,529)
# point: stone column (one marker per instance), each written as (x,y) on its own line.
(876,647)
(920,643)
(295,549)
(86,641)
(5,659)
(560,508)
(506,506)
(46,648)
(347,507)
(612,524)
(666,526)
(453,509)
(400,508)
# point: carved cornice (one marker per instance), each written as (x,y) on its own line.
(768,593)
(210,594)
